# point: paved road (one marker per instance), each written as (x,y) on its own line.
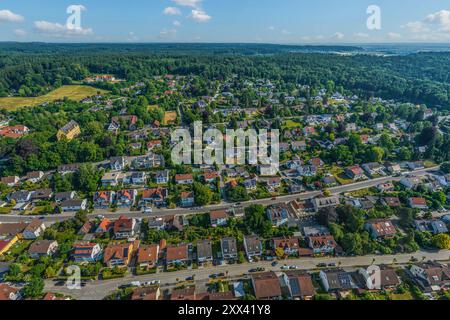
(184,211)
(97,290)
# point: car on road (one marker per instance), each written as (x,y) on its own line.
(148,210)
(60,283)
(214,276)
(293,267)
(321,265)
(100,216)
(136,284)
(253,270)
(284,267)
(191,278)
(332,264)
(274,264)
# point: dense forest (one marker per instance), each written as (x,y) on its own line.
(34,69)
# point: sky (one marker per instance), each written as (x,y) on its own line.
(227,21)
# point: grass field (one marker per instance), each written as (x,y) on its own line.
(289,124)
(73,92)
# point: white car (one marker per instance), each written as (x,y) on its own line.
(148,210)
(136,283)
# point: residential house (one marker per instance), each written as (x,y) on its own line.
(147,256)
(184,179)
(112,179)
(118,163)
(299,284)
(278,214)
(289,246)
(431,276)
(155,196)
(433,226)
(86,252)
(355,172)
(325,202)
(124,227)
(183,294)
(380,277)
(63,196)
(187,199)
(253,246)
(68,168)
(393,168)
(118,254)
(74,205)
(391,201)
(210,177)
(418,203)
(69,132)
(337,280)
(104,226)
(218,218)
(229,248)
(250,184)
(204,251)
(411,182)
(316,162)
(42,248)
(126,198)
(162,177)
(178,254)
(9,293)
(148,161)
(42,195)
(321,245)
(380,228)
(34,176)
(10,181)
(20,196)
(104,199)
(298,145)
(146,294)
(33,230)
(266,286)
(373,168)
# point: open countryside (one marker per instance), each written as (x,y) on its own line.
(71,92)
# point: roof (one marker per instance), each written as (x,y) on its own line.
(183,294)
(382,227)
(12,229)
(418,201)
(339,279)
(123,224)
(218,214)
(301,283)
(228,245)
(6,291)
(34,225)
(322,241)
(181,177)
(117,251)
(69,126)
(41,246)
(286,243)
(252,243)
(149,293)
(148,254)
(175,253)
(204,249)
(266,285)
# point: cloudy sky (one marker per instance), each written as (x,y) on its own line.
(268,21)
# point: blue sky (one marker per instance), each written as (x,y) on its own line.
(268,21)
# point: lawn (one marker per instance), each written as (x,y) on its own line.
(401,296)
(289,124)
(340,176)
(72,92)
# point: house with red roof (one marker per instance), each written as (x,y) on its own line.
(104,199)
(124,227)
(126,198)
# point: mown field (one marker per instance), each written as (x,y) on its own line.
(72,92)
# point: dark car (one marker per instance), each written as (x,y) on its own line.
(253,270)
(274,264)
(322,265)
(332,264)
(191,278)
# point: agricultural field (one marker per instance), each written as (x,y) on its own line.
(72,92)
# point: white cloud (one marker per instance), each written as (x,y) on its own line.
(271,28)
(338,36)
(394,36)
(361,35)
(168,33)
(188,3)
(8,16)
(172,11)
(199,16)
(285,32)
(441,19)
(176,23)
(20,33)
(434,27)
(58,30)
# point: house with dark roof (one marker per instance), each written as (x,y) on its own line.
(229,248)
(43,248)
(253,246)
(380,277)
(204,251)
(299,284)
(431,276)
(337,280)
